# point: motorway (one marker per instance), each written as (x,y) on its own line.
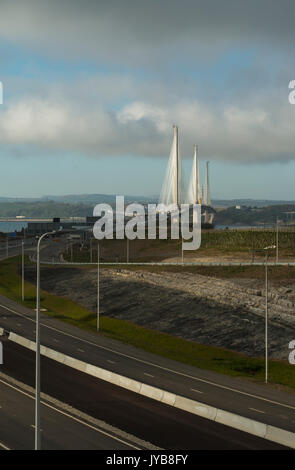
(163,426)
(60,429)
(160,424)
(256,401)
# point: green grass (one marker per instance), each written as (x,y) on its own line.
(214,243)
(206,357)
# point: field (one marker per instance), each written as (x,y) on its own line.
(215,244)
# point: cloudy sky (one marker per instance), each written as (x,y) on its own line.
(92,89)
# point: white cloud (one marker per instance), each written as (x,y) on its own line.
(264,133)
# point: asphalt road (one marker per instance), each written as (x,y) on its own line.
(15,248)
(164,426)
(59,429)
(257,401)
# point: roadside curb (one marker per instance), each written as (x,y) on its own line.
(233,420)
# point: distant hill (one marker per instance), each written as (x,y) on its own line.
(248,202)
(110,199)
(231,212)
(44,209)
(96,198)
(246,215)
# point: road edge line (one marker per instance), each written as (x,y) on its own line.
(241,423)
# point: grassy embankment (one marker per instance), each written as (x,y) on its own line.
(188,352)
(215,243)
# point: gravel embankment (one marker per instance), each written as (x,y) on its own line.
(203,309)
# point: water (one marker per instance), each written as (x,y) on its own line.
(7,227)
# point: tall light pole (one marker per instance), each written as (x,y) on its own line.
(37,377)
(277,241)
(97,320)
(23,271)
(266,309)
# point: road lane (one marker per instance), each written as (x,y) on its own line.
(238,396)
(59,429)
(149,420)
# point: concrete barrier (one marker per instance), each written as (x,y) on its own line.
(20,340)
(233,420)
(74,363)
(127,383)
(168,398)
(1,331)
(281,436)
(151,392)
(56,356)
(195,407)
(240,422)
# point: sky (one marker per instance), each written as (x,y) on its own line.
(92,88)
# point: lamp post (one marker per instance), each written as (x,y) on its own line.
(277,241)
(37,377)
(97,320)
(266,309)
(23,271)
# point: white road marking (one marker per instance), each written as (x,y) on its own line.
(4,446)
(69,416)
(167,369)
(111,362)
(195,390)
(81,350)
(33,426)
(258,411)
(149,375)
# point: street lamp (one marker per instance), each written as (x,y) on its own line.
(97,316)
(266,309)
(23,271)
(37,377)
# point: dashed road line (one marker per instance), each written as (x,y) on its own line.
(258,411)
(167,369)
